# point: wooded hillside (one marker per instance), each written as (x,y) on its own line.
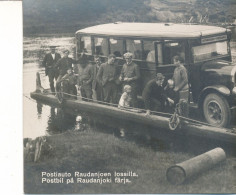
(67,16)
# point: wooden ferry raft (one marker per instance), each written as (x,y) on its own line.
(161,123)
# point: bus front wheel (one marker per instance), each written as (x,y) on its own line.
(216,110)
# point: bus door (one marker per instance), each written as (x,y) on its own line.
(101,48)
(165,51)
(148,65)
(142,51)
(116,46)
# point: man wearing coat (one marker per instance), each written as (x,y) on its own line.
(63,65)
(49,62)
(96,85)
(154,96)
(85,78)
(130,75)
(108,76)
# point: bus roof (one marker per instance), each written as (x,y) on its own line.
(152,30)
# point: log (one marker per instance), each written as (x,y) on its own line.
(181,172)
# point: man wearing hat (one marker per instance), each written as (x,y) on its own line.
(130,74)
(153,94)
(49,62)
(63,65)
(107,76)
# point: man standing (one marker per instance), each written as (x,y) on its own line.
(63,65)
(49,62)
(107,76)
(153,94)
(85,78)
(96,86)
(180,78)
(130,75)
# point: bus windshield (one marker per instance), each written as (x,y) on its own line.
(209,51)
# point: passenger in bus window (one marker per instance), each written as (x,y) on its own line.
(96,86)
(108,76)
(153,94)
(148,51)
(130,74)
(85,78)
(134,47)
(151,56)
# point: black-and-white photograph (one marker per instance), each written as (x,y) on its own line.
(129,96)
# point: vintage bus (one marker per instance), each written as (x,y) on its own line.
(204,49)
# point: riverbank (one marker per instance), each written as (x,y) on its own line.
(91,152)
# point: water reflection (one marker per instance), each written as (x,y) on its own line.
(82,123)
(59,121)
(39,109)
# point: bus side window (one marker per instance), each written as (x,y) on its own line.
(172,49)
(134,47)
(101,46)
(208,51)
(85,45)
(116,47)
(149,51)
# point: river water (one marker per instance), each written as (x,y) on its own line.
(40,120)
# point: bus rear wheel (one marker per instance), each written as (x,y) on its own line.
(216,110)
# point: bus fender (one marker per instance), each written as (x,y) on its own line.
(219,88)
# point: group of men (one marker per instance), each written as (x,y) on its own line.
(101,81)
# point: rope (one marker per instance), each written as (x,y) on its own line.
(195,121)
(111,104)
